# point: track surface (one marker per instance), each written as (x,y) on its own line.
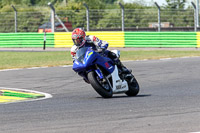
(169,101)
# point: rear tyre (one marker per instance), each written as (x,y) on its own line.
(133,87)
(102,88)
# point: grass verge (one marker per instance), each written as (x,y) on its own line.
(9,60)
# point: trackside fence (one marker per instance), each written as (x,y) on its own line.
(99,20)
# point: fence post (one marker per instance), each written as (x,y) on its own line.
(52,17)
(44,46)
(159,21)
(122,15)
(197,13)
(195,16)
(15,18)
(87,16)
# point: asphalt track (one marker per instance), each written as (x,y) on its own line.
(169,101)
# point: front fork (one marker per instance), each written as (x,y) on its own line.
(102,77)
(99,73)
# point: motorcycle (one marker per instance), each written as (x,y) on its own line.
(102,73)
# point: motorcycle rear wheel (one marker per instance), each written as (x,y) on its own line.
(133,87)
(105,92)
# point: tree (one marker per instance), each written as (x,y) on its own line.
(109,1)
(176,4)
(1,4)
(110,19)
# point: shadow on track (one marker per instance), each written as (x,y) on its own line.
(124,96)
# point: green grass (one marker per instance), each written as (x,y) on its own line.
(11,60)
(33,59)
(156,54)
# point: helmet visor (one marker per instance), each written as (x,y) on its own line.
(78,41)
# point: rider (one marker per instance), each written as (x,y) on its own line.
(80,39)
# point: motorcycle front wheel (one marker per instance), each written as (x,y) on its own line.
(101,87)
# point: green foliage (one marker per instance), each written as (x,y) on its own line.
(7,25)
(180,18)
(27,18)
(176,4)
(24,2)
(110,19)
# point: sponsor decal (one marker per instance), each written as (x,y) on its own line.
(118,87)
(90,53)
(107,65)
(117,81)
(124,86)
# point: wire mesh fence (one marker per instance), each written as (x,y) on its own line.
(105,19)
(74,18)
(7,22)
(26,21)
(30,21)
(100,19)
(179,18)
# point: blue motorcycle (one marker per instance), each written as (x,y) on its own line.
(101,72)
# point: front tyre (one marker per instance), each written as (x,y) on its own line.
(102,88)
(133,87)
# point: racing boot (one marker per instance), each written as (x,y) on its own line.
(122,68)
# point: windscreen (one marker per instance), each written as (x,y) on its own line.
(80,54)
